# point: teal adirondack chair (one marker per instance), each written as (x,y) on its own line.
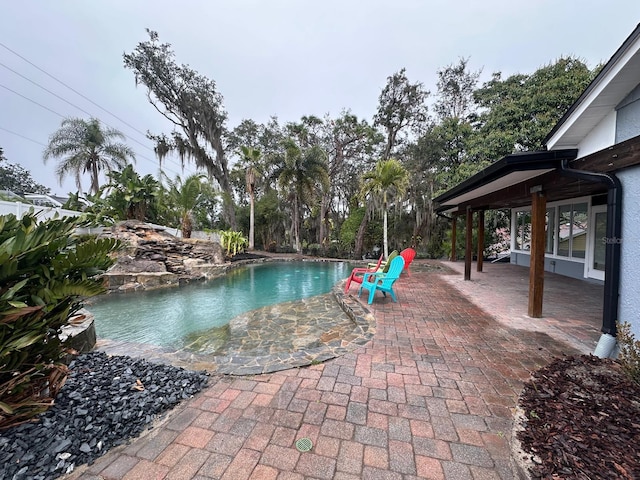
(383,281)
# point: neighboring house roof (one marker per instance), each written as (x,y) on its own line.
(44,200)
(10,195)
(618,77)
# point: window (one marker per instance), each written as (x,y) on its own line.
(550,230)
(572,230)
(523,231)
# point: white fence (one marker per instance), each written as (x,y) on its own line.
(19,209)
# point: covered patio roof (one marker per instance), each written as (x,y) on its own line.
(507,183)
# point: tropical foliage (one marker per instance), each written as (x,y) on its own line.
(192,103)
(387,180)
(232,241)
(290,185)
(45,273)
(182,197)
(87,147)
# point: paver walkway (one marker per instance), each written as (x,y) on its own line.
(431,396)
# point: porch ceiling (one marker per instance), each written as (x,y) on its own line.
(554,186)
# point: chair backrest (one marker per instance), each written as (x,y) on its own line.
(408,254)
(397,264)
(392,255)
(379,262)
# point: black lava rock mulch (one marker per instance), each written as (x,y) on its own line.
(105,402)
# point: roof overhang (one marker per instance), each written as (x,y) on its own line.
(510,170)
(617,78)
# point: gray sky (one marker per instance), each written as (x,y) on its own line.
(287,58)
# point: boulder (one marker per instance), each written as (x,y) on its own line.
(153,258)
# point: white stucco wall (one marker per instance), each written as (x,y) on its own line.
(600,137)
(629,307)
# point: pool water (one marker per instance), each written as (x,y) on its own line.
(164,317)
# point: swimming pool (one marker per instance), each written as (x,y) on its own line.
(165,317)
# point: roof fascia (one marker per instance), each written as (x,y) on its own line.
(504,166)
(596,85)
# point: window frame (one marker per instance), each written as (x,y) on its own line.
(555,206)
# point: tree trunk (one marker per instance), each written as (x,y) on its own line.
(95,182)
(323,221)
(296,226)
(187,226)
(251,221)
(385,241)
(229,211)
(360,237)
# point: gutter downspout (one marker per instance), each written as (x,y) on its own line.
(607,343)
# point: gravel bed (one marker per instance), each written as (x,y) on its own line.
(105,402)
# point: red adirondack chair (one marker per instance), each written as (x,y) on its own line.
(408,254)
(357,274)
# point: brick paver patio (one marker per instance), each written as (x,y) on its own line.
(431,396)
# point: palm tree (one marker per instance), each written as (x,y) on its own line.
(251,157)
(87,147)
(388,178)
(185,196)
(301,173)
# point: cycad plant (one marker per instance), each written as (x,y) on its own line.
(45,273)
(185,196)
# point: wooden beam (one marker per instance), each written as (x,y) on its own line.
(536,267)
(468,249)
(454,223)
(480,239)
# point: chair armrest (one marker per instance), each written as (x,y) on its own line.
(372,265)
(378,276)
(362,270)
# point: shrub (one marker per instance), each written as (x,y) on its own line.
(629,356)
(314,249)
(45,272)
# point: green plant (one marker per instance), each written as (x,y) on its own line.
(45,273)
(232,241)
(629,356)
(314,249)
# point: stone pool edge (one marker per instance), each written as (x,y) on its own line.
(239,365)
(365,328)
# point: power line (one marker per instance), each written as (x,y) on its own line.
(45,89)
(22,136)
(60,115)
(72,104)
(32,101)
(68,102)
(72,89)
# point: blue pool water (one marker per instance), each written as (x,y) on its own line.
(164,317)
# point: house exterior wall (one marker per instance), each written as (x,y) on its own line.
(554,265)
(629,307)
(628,116)
(602,136)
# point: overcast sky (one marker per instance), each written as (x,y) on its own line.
(286,58)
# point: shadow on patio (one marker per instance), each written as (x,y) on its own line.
(572,308)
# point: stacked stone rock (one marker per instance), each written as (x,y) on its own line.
(153,258)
